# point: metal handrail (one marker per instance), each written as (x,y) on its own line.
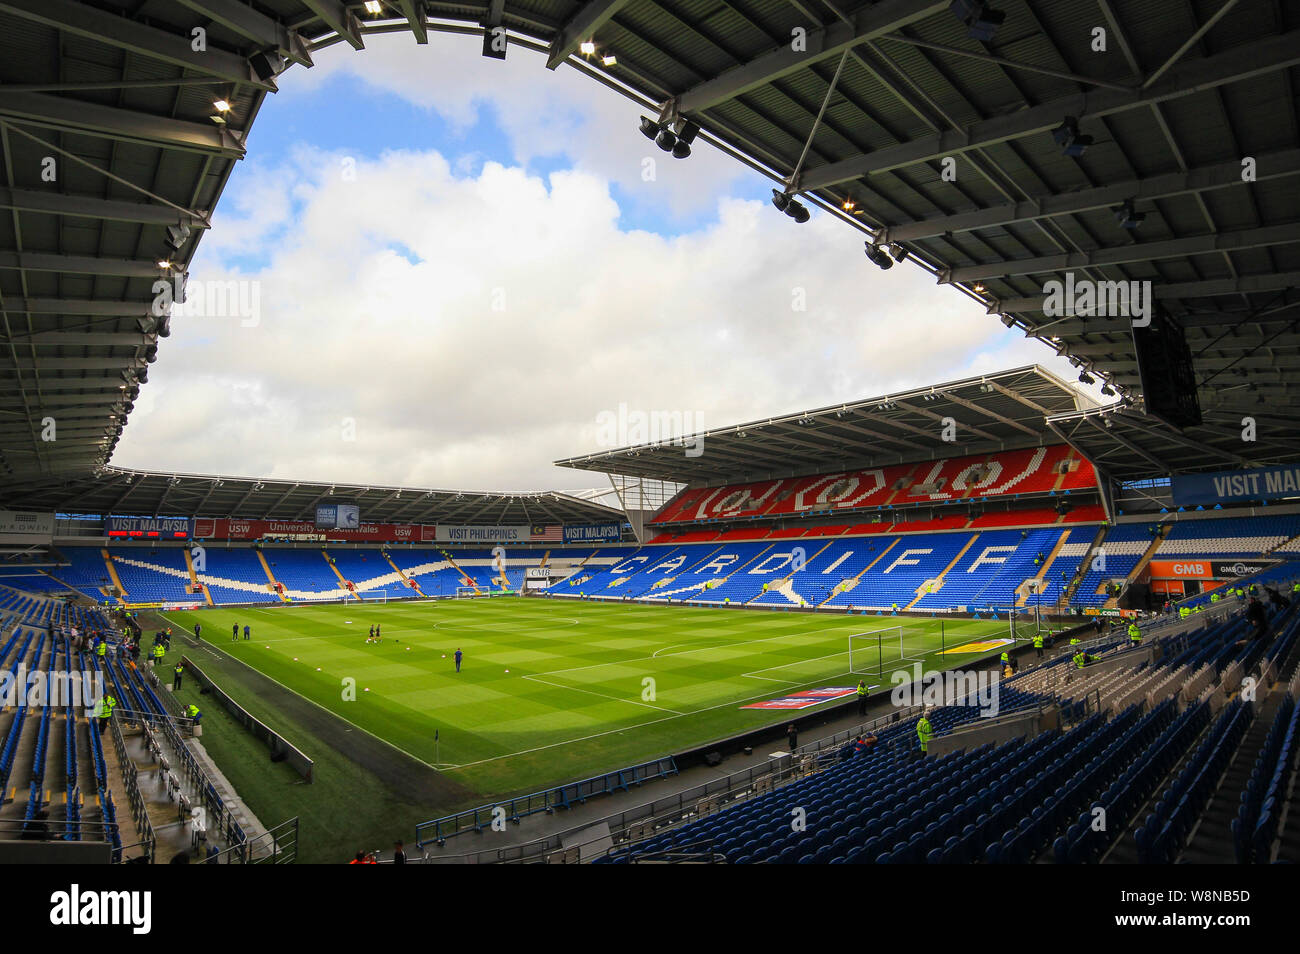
(131,781)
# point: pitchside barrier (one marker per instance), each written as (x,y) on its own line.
(439,830)
(281,749)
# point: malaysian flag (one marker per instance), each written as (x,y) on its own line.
(551,533)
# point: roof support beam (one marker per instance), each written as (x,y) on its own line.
(79,19)
(78,339)
(110,122)
(91,207)
(1132,252)
(265,33)
(590,18)
(413,10)
(869,23)
(1201,289)
(971,405)
(1128,445)
(79,265)
(75,306)
(335,15)
(1203,178)
(1244,62)
(70,364)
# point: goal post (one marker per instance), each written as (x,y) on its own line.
(465,592)
(372,596)
(869,651)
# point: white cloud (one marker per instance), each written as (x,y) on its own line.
(379,299)
(543,113)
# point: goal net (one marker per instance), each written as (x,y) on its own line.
(1026,622)
(468,591)
(871,652)
(372,596)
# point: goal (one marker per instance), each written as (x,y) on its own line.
(463,592)
(1026,622)
(870,651)
(372,596)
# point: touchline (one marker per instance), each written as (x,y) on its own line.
(74,908)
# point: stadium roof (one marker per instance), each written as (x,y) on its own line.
(133,492)
(836,100)
(993,412)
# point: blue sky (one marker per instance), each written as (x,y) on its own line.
(346,114)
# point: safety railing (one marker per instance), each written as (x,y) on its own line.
(437,831)
(131,781)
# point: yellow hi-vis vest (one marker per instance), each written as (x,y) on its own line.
(1038,641)
(102,648)
(158,652)
(923,732)
(1079,659)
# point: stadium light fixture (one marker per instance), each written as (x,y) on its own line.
(1107,390)
(1086,378)
(164,264)
(1127,217)
(686,133)
(221,105)
(877,256)
(374,8)
(649,128)
(1008,320)
(981,21)
(978,288)
(1067,136)
(897,252)
(848,205)
(790,206)
(178,234)
(609,59)
(587,48)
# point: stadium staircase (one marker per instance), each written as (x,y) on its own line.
(276,588)
(1067,596)
(703,587)
(936,584)
(1141,565)
(1022,592)
(194,578)
(112,575)
(410,583)
(343,583)
(467,579)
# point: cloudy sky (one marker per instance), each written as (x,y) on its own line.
(452,266)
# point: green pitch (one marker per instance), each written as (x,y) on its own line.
(552,690)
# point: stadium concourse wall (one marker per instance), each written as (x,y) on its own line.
(282,750)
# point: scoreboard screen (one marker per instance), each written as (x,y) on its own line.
(155,528)
(338,517)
